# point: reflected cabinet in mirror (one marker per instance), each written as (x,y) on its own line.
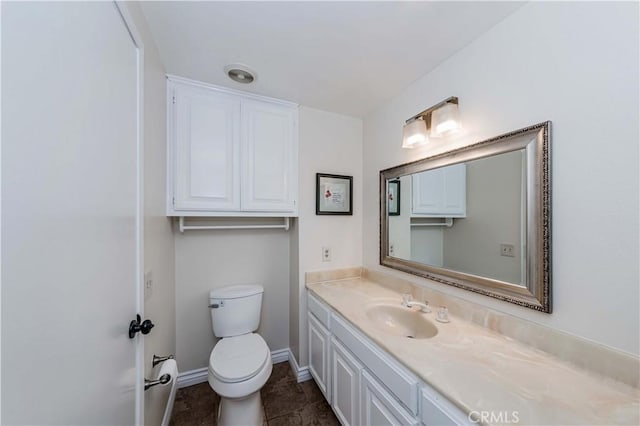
(478,217)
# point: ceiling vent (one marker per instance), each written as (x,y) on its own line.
(240,73)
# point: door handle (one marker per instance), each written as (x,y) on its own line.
(136,326)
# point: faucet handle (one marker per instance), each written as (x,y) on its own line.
(406,298)
(442,314)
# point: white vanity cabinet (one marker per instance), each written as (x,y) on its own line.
(440,192)
(363,383)
(229,153)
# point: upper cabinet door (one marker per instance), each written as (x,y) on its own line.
(440,192)
(205,146)
(269,157)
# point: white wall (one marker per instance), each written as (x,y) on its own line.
(294,287)
(209,259)
(159,304)
(329,143)
(575,64)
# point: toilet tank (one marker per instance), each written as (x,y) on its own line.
(235,309)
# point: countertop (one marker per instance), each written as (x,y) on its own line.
(479,370)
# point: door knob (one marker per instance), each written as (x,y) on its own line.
(135,326)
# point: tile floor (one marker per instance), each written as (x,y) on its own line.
(285,402)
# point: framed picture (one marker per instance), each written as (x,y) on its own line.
(334,194)
(393,197)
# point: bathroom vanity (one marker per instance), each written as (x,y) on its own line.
(371,372)
(363,384)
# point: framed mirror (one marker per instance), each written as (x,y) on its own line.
(477,217)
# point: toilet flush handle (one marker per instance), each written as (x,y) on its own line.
(216,305)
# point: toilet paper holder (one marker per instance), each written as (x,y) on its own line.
(158,359)
(162,380)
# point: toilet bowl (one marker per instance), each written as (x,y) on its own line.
(240,363)
(238,368)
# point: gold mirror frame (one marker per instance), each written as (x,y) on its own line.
(536,292)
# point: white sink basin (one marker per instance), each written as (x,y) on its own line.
(398,320)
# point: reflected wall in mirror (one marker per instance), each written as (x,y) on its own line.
(477,218)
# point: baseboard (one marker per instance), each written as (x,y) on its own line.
(192,377)
(302,373)
(201,375)
(281,355)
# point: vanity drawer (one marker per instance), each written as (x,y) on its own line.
(399,381)
(321,312)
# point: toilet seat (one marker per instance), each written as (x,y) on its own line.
(239,358)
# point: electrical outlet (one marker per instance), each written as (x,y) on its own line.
(507,250)
(326,254)
(148,285)
(391,249)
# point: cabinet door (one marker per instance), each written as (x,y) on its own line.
(205,131)
(436,410)
(345,384)
(319,355)
(378,407)
(269,157)
(440,192)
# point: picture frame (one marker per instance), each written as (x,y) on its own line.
(334,194)
(393,197)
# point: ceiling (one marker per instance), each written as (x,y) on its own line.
(344,57)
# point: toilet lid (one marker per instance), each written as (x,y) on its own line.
(238,358)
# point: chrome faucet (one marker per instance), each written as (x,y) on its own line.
(406,301)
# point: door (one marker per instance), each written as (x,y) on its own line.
(431,414)
(70,215)
(269,155)
(206,144)
(379,408)
(319,355)
(345,382)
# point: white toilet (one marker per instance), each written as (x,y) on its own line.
(240,363)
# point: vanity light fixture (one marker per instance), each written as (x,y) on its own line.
(414,133)
(445,120)
(439,120)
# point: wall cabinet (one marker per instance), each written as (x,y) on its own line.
(363,384)
(230,153)
(440,192)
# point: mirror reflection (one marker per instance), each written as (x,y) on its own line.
(468,217)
